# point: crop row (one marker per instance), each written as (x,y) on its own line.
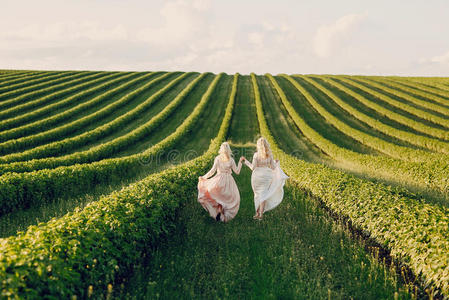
(430,175)
(7,80)
(396,103)
(425,90)
(60,89)
(412,123)
(7,73)
(19,96)
(32,81)
(95,134)
(415,232)
(18,190)
(396,151)
(108,149)
(33,115)
(65,129)
(435,86)
(59,118)
(102,242)
(385,146)
(19,108)
(412,92)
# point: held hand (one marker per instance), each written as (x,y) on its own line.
(242,158)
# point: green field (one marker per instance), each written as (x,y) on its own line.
(98,175)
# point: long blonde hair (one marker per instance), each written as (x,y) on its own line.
(263,148)
(225,151)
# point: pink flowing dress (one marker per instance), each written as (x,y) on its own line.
(220,189)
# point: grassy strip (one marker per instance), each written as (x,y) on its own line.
(243,123)
(416,233)
(393,102)
(13,89)
(108,149)
(96,80)
(62,131)
(418,126)
(416,94)
(431,175)
(379,144)
(19,190)
(52,121)
(21,96)
(103,241)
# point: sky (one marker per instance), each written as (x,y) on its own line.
(395,37)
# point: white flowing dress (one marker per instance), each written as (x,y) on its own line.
(220,189)
(267,181)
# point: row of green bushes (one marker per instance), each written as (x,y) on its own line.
(102,242)
(63,98)
(391,149)
(391,114)
(61,131)
(429,174)
(109,148)
(391,88)
(379,144)
(415,232)
(20,96)
(46,99)
(435,87)
(7,74)
(31,81)
(396,103)
(21,190)
(15,78)
(412,92)
(442,94)
(52,121)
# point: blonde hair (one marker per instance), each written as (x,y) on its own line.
(225,151)
(263,148)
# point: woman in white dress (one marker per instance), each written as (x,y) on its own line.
(267,179)
(220,195)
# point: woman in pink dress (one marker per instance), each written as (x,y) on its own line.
(220,195)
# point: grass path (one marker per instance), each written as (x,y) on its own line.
(296,252)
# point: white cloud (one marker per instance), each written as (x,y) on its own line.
(65,31)
(330,36)
(183,22)
(439,59)
(256,38)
